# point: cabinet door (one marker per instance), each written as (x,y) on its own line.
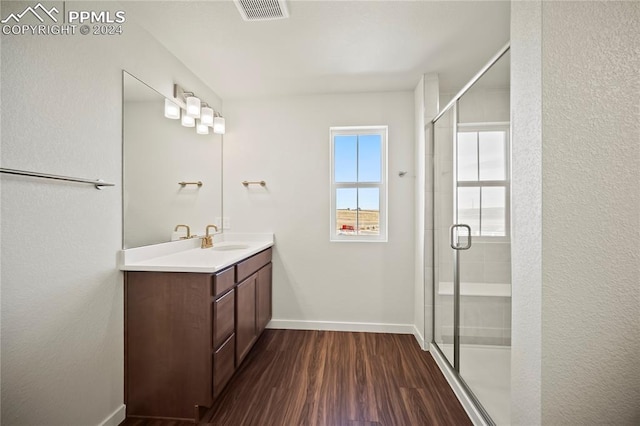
(263,298)
(167,343)
(246,334)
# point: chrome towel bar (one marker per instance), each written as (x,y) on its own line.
(98,183)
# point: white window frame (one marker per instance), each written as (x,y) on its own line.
(506,183)
(382,186)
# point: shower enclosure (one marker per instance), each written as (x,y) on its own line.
(471,245)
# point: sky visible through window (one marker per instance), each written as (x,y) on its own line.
(358,159)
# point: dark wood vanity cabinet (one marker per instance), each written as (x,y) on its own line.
(186,334)
(246,333)
(263,298)
(253,310)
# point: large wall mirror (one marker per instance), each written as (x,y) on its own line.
(158,153)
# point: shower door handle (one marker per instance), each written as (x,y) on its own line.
(453,241)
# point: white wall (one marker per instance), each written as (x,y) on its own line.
(286,142)
(420,212)
(62,300)
(581,295)
(426,106)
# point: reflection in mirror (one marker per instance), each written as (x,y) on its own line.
(158,153)
(483,154)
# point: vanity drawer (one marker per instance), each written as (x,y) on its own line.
(251,265)
(223,365)
(223,318)
(223,281)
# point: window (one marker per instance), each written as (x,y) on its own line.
(483,178)
(358,183)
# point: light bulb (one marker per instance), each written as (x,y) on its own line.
(206,116)
(188,121)
(202,129)
(218,125)
(171,110)
(193,107)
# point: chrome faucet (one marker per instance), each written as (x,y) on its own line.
(207,240)
(188,231)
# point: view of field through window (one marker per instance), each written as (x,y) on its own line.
(358,170)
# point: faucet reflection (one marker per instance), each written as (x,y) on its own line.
(188,231)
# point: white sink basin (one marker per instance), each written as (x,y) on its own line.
(229,247)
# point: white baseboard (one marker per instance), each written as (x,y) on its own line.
(115,418)
(368,327)
(461,394)
(420,338)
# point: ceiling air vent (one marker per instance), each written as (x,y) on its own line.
(262,10)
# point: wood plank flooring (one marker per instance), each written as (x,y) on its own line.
(326,378)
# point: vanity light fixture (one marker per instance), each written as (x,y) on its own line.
(206,115)
(192,108)
(171,110)
(202,129)
(188,121)
(218,124)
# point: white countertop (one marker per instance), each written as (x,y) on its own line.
(187,256)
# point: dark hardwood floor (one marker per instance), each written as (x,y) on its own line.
(328,378)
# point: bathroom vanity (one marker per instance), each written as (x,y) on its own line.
(191,318)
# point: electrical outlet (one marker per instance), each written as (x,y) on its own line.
(226,223)
(218,222)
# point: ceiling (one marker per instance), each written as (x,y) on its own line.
(328,46)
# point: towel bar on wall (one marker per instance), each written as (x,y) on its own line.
(98,183)
(198,183)
(256,182)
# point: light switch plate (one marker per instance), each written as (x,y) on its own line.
(218,222)
(226,223)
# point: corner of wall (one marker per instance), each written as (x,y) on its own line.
(419,166)
(526,211)
(426,100)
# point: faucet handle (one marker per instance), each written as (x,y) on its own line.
(206,242)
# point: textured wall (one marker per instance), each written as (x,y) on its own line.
(591,211)
(62,305)
(575,212)
(526,211)
(285,141)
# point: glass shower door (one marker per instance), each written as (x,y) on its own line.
(472,265)
(482,196)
